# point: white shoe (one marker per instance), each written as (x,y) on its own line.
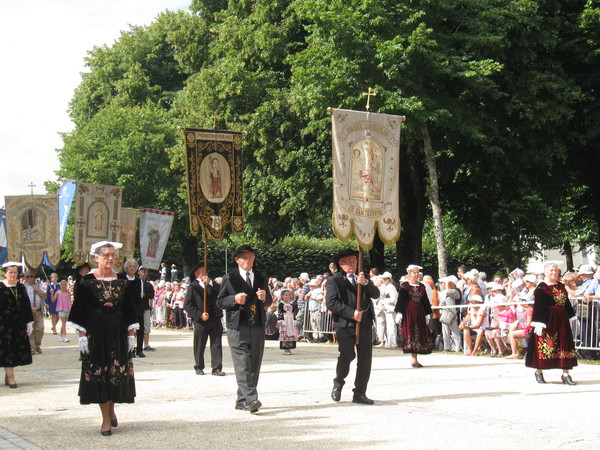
(61,338)
(66,339)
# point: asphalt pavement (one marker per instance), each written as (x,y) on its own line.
(454,401)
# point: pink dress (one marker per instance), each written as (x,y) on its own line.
(63,302)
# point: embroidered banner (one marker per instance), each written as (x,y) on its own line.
(3,247)
(32,229)
(155,228)
(366,176)
(214,171)
(128,232)
(97,217)
(66,195)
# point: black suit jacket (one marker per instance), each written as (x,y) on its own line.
(194,302)
(233,284)
(341,301)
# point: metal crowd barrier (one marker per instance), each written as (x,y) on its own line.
(585,328)
(316,324)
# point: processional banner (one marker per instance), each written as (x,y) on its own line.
(32,229)
(3,247)
(128,232)
(155,228)
(214,171)
(66,195)
(366,176)
(97,217)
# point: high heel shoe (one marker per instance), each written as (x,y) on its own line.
(539,377)
(12,386)
(566,379)
(114,423)
(106,433)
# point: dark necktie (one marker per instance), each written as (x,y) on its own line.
(248,280)
(352,280)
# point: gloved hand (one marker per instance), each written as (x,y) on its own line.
(398,317)
(83,345)
(131,343)
(427,318)
(538,328)
(29,328)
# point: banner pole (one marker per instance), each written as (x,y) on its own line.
(205,267)
(359,292)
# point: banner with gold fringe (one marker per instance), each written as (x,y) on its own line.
(214,171)
(128,232)
(32,229)
(155,229)
(97,217)
(366,176)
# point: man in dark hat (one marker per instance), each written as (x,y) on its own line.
(245,295)
(207,322)
(341,300)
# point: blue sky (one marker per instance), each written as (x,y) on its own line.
(43,44)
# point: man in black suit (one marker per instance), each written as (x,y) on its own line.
(207,323)
(245,295)
(341,301)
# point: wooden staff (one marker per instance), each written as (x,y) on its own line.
(205,270)
(359,292)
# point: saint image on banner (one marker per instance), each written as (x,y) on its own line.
(33,226)
(215,178)
(153,240)
(98,220)
(367,170)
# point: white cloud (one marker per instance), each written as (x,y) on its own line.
(43,44)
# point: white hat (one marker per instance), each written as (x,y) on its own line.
(450,278)
(103,243)
(386,275)
(530,278)
(584,269)
(470,276)
(496,287)
(314,282)
(499,298)
(476,298)
(413,266)
(11,264)
(304,275)
(517,283)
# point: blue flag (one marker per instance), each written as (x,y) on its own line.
(3,247)
(66,195)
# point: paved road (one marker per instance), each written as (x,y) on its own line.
(453,402)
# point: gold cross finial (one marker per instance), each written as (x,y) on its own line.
(369,94)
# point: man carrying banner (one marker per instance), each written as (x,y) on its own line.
(342,301)
(245,295)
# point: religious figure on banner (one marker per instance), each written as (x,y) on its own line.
(367,170)
(153,240)
(215,179)
(32,225)
(98,220)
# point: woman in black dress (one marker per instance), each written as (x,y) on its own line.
(551,344)
(104,314)
(16,321)
(414,308)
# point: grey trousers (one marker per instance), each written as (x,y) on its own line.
(247,347)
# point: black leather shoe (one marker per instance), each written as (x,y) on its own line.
(416,365)
(140,355)
(199,372)
(362,399)
(566,379)
(14,386)
(241,405)
(539,377)
(253,406)
(336,393)
(218,373)
(106,433)
(114,423)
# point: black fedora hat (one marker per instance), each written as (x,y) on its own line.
(193,271)
(242,249)
(344,253)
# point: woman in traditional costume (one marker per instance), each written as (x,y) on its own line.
(414,309)
(16,323)
(103,313)
(551,344)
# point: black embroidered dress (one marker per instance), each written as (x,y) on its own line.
(105,309)
(15,314)
(414,305)
(555,348)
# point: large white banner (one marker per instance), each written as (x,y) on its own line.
(155,228)
(366,176)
